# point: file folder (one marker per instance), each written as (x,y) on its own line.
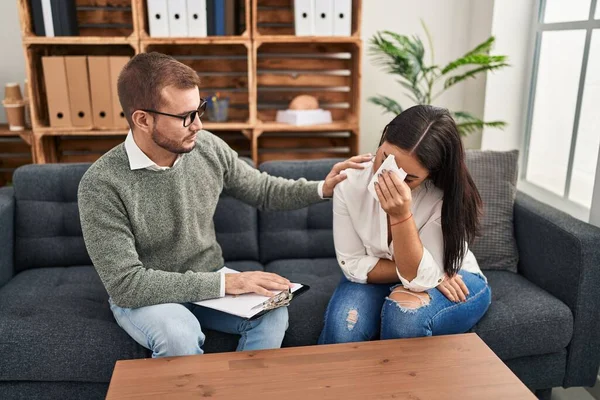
(100,91)
(230,15)
(37,13)
(304,11)
(79,90)
(342,17)
(47,17)
(196,12)
(210,17)
(177,18)
(219,17)
(158,18)
(323,17)
(57,94)
(116,66)
(64,16)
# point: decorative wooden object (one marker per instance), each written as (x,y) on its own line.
(260,70)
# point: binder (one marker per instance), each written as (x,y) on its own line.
(177,18)
(116,66)
(57,94)
(323,17)
(196,12)
(210,17)
(47,17)
(230,17)
(304,21)
(64,17)
(37,12)
(79,90)
(100,91)
(158,18)
(219,17)
(342,17)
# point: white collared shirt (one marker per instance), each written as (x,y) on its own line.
(139,160)
(360,231)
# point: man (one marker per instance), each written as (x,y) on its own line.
(147,211)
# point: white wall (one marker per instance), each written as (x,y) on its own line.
(12,66)
(507,91)
(456,26)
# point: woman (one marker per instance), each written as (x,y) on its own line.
(408,271)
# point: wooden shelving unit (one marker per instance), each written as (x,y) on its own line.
(261,70)
(14,151)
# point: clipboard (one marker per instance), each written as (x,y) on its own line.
(295,294)
(250,305)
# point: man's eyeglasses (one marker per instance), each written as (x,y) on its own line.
(188,118)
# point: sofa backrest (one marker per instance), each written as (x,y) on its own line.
(304,233)
(48,230)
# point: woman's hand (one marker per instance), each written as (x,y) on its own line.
(394,195)
(454,289)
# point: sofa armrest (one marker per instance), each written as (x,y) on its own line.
(561,254)
(7,236)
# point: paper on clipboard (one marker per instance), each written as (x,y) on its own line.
(243,305)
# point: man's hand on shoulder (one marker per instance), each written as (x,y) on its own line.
(255,282)
(336,176)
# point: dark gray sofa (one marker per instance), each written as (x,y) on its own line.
(58,338)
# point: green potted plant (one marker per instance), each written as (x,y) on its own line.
(404,56)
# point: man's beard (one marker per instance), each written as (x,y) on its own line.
(170,144)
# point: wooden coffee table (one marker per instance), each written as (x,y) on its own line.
(442,367)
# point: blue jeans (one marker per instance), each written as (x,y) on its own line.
(173,329)
(361,312)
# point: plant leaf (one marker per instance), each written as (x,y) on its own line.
(398,54)
(389,104)
(473,59)
(471,74)
(475,124)
(418,96)
(483,47)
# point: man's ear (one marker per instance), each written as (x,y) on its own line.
(142,120)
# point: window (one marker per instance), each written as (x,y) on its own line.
(563,121)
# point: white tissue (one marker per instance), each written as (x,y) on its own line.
(388,164)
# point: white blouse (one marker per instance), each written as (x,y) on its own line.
(360,231)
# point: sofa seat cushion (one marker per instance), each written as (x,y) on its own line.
(55,325)
(307,311)
(523,320)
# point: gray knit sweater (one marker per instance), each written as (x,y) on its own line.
(150,234)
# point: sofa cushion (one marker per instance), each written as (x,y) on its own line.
(47,228)
(495,174)
(523,320)
(56,325)
(236,226)
(304,233)
(307,311)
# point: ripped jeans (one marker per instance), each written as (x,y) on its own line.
(361,312)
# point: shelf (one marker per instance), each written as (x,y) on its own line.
(225,126)
(195,40)
(83,40)
(88,131)
(305,39)
(78,131)
(281,127)
(25,135)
